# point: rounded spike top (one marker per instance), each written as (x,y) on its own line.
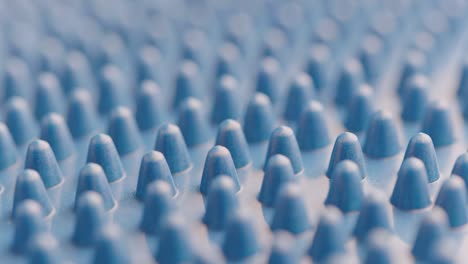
(193,122)
(259,119)
(299,94)
(452,198)
(439,125)
(360,110)
(382,137)
(187,83)
(55,131)
(278,172)
(345,187)
(124,131)
(20,121)
(421,147)
(102,151)
(218,162)
(226,102)
(414,63)
(329,237)
(317,63)
(230,135)
(283,141)
(41,158)
(312,132)
(49,98)
(347,147)
(153,167)
(411,190)
(415,99)
(267,79)
(149,106)
(81,114)
(171,144)
(433,228)
(349,80)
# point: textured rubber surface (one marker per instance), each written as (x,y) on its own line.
(248,131)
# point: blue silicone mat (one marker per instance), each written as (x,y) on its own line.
(219,131)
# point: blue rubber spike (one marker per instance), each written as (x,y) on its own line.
(16,78)
(89,219)
(433,228)
(411,189)
(149,64)
(452,198)
(124,131)
(359,110)
(8,154)
(278,172)
(378,250)
(415,99)
(347,147)
(267,82)
(345,187)
(230,135)
(462,89)
(290,211)
(421,147)
(349,80)
(226,100)
(20,121)
(111,90)
(382,137)
(241,240)
(313,122)
(102,151)
(77,72)
(461,167)
(443,252)
(93,178)
(414,64)
(329,237)
(153,167)
(373,215)
(171,144)
(228,61)
(221,203)
(299,94)
(439,125)
(149,106)
(158,205)
(111,247)
(29,221)
(316,66)
(193,123)
(176,244)
(49,98)
(259,119)
(283,141)
(29,186)
(282,252)
(41,158)
(370,57)
(187,83)
(81,114)
(218,162)
(55,131)
(194,43)
(44,249)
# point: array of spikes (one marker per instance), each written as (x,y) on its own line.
(267,132)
